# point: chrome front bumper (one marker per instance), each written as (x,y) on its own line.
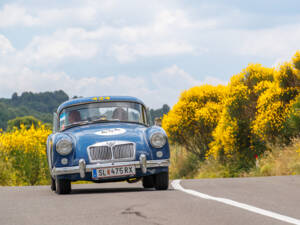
(82,168)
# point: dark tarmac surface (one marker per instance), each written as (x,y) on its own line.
(123,203)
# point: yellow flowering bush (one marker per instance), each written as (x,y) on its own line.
(225,138)
(271,114)
(25,150)
(286,76)
(296,60)
(234,124)
(195,116)
(256,109)
(232,131)
(274,105)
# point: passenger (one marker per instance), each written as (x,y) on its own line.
(74,116)
(120,114)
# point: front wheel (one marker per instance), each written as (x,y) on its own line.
(161,181)
(53,185)
(63,186)
(148,182)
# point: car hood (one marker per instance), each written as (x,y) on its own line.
(86,135)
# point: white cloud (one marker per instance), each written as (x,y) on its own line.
(59,14)
(14,14)
(120,32)
(125,44)
(125,53)
(21,15)
(166,33)
(162,87)
(175,77)
(66,16)
(172,81)
(178,18)
(57,48)
(5,46)
(280,42)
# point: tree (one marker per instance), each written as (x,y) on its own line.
(39,105)
(154,113)
(14,97)
(27,121)
(165,109)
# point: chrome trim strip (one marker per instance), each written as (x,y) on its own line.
(50,152)
(75,169)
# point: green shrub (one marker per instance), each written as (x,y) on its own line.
(6,173)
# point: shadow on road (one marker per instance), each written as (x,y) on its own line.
(110,190)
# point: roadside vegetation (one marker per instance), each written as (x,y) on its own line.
(23,156)
(38,105)
(23,147)
(277,161)
(250,127)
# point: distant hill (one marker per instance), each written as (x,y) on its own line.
(39,105)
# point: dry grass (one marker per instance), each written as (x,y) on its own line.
(276,162)
(183,164)
(279,161)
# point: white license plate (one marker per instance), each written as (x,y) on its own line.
(115,171)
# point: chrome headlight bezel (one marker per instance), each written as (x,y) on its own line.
(64,147)
(158,140)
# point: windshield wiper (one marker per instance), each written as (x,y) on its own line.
(102,120)
(77,123)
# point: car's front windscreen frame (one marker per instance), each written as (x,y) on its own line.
(135,105)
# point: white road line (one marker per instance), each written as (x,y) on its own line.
(176,185)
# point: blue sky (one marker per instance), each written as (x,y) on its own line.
(149,49)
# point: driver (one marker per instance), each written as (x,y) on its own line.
(120,114)
(74,116)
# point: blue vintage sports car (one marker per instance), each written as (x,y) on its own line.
(105,139)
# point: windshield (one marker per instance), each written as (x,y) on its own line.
(102,112)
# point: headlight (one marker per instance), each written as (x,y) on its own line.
(64,146)
(158,140)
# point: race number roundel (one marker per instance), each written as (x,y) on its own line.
(112,131)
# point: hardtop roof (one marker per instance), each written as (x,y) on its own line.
(77,101)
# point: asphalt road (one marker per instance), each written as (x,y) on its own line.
(122,203)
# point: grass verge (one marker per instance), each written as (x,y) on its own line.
(277,161)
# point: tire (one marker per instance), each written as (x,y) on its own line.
(148,182)
(53,185)
(63,186)
(161,181)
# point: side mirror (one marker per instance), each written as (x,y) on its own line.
(55,122)
(157,121)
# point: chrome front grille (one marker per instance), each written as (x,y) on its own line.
(123,151)
(100,153)
(111,151)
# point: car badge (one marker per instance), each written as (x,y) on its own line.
(111,143)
